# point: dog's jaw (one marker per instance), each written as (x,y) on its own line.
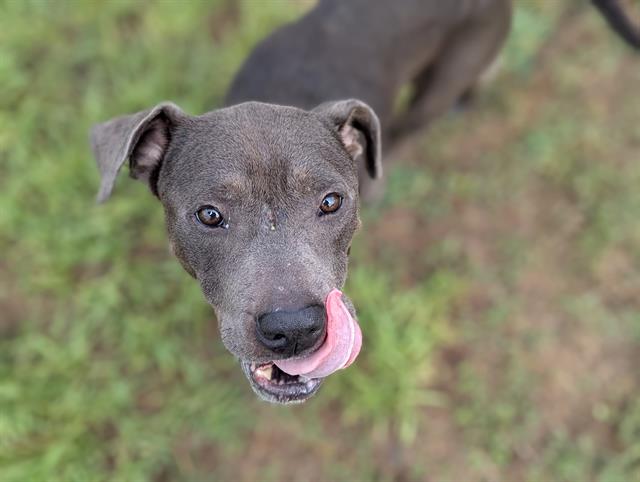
(295,390)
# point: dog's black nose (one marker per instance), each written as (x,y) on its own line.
(291,332)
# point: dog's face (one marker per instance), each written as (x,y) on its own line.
(261,204)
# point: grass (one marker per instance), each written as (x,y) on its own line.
(496,284)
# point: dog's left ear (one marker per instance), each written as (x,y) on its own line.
(359,130)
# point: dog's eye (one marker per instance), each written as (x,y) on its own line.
(331,203)
(210,216)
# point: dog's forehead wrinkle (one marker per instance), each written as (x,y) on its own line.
(228,184)
(277,183)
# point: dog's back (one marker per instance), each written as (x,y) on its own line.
(368,49)
(361,48)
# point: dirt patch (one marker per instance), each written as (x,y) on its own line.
(13,305)
(224,20)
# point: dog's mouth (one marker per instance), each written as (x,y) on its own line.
(296,379)
(273,385)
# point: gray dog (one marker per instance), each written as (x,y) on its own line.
(261,199)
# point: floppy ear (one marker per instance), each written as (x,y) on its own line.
(359,129)
(142,138)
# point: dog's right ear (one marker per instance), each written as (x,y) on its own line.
(142,138)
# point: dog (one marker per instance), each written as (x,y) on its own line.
(261,197)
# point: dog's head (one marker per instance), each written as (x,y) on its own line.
(261,203)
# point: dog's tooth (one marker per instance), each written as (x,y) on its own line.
(253,367)
(265,372)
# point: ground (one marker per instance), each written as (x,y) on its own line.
(497,282)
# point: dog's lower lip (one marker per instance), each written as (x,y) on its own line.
(272,384)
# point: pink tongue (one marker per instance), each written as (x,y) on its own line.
(340,348)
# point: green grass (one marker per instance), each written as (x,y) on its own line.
(496,284)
